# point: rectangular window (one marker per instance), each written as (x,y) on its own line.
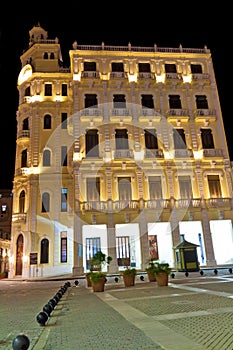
(122,139)
(91,101)
(151,140)
(147,101)
(63,156)
(92,143)
(196,69)
(214,186)
(92,247)
(64,89)
(124,189)
(64,120)
(170,68)
(179,139)
(48,90)
(144,67)
(174,102)
(93,189)
(117,67)
(63,247)
(123,251)
(64,199)
(201,102)
(90,66)
(185,187)
(155,187)
(119,101)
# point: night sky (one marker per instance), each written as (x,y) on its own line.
(189,24)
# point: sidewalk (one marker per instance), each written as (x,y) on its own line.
(192,313)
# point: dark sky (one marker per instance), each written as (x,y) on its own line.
(188,24)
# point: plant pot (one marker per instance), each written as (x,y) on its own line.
(98,285)
(88,280)
(151,276)
(162,279)
(3,275)
(129,280)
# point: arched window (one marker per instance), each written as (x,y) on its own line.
(46,157)
(45,202)
(52,56)
(46,56)
(47,121)
(24,159)
(44,251)
(22,202)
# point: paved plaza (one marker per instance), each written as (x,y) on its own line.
(192,313)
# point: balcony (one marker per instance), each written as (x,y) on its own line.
(219,203)
(177,114)
(118,75)
(149,115)
(201,77)
(213,153)
(188,203)
(23,137)
(183,153)
(205,115)
(19,217)
(174,76)
(123,153)
(146,75)
(91,75)
(158,204)
(109,206)
(91,115)
(154,153)
(118,115)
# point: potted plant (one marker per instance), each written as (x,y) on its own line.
(162,272)
(129,275)
(97,277)
(151,269)
(3,274)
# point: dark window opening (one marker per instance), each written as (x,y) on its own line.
(119,101)
(144,67)
(174,101)
(92,143)
(91,100)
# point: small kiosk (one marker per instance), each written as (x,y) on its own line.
(186,256)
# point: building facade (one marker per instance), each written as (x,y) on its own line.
(5,228)
(124,151)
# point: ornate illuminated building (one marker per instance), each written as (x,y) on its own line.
(124,151)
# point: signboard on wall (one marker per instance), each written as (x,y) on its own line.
(33,258)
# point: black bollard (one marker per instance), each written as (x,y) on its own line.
(141,278)
(76,282)
(48,309)
(52,302)
(42,318)
(116,279)
(59,295)
(20,342)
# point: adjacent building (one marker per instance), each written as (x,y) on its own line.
(5,228)
(123,151)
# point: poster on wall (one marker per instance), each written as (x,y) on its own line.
(153,247)
(33,258)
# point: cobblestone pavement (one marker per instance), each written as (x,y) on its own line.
(192,313)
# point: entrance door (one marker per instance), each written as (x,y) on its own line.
(19,255)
